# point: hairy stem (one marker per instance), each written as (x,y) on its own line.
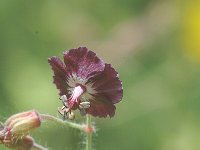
(89,133)
(38,147)
(63,122)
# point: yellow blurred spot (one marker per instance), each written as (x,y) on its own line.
(191,30)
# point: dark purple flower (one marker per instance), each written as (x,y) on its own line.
(86,83)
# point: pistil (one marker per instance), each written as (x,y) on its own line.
(74,99)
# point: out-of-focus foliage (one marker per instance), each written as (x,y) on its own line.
(153,44)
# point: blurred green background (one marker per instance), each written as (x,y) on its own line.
(154,45)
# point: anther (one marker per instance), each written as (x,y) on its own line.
(71,115)
(84,105)
(63,98)
(66,113)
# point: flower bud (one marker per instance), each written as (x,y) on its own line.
(25,143)
(22,123)
(5,135)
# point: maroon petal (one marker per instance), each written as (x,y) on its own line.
(82,62)
(101,108)
(107,85)
(60,76)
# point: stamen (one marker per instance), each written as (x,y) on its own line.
(63,98)
(68,104)
(62,110)
(84,105)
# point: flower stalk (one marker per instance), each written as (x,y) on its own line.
(89,132)
(14,132)
(62,122)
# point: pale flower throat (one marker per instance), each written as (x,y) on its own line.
(77,92)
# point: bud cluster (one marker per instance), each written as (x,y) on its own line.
(14,133)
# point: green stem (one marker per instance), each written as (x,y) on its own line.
(89,133)
(63,122)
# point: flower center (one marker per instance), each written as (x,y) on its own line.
(77,92)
